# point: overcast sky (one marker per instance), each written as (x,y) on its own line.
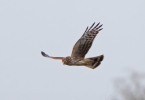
(28,27)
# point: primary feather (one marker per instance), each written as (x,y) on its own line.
(83,45)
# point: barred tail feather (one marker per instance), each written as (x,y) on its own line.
(96,61)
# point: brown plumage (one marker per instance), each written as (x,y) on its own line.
(81,48)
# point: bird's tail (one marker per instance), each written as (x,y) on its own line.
(96,61)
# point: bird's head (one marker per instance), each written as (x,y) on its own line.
(66,60)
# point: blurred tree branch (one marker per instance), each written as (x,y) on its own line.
(131,88)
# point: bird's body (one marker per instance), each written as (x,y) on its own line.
(75,61)
(92,62)
(81,48)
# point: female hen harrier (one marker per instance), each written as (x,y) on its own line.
(81,48)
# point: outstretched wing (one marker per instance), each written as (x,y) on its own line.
(45,55)
(83,45)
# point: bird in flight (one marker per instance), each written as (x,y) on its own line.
(81,48)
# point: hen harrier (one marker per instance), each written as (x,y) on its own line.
(81,48)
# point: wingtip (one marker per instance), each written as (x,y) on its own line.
(101,25)
(43,53)
(93,24)
(102,56)
(100,29)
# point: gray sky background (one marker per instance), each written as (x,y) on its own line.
(30,26)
